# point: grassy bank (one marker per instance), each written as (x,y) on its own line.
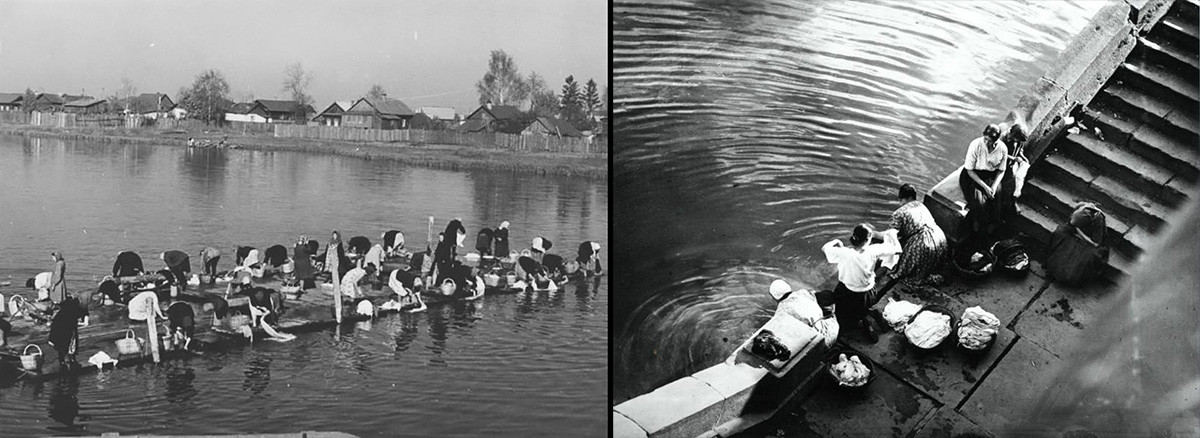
(450,157)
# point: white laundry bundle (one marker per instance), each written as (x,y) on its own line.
(897,313)
(928,329)
(101,358)
(850,372)
(977,328)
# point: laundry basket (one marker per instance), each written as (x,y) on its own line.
(32,362)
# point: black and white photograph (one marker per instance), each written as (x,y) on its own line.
(905,218)
(322,219)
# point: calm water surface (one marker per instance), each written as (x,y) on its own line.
(752,133)
(534,363)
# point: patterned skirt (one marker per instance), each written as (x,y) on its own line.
(923,254)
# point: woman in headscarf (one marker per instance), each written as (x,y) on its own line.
(393,242)
(128,264)
(985,163)
(500,237)
(303,260)
(335,249)
(58,278)
(445,257)
(180,266)
(924,244)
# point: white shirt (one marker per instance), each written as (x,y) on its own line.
(857,270)
(143,306)
(803,306)
(978,157)
(41,282)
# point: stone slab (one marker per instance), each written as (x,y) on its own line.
(1002,294)
(623,427)
(947,423)
(1007,395)
(886,407)
(680,409)
(1062,313)
(946,373)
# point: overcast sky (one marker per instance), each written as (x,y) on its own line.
(428,53)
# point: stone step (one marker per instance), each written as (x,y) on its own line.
(1185,9)
(1156,79)
(1177,30)
(1169,55)
(1036,224)
(1057,203)
(1112,196)
(1117,162)
(1146,108)
(1179,155)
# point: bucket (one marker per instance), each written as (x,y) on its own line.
(174,291)
(32,362)
(289,267)
(492,280)
(511,278)
(129,344)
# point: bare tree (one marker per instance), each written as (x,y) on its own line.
(126,93)
(502,84)
(542,101)
(295,83)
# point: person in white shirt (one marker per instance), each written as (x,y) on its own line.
(983,169)
(856,292)
(814,309)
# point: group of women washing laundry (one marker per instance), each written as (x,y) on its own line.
(913,250)
(356,262)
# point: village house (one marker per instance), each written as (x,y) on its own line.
(378,114)
(245,112)
(277,111)
(11,101)
(47,102)
(152,105)
(550,126)
(332,115)
(86,106)
(494,118)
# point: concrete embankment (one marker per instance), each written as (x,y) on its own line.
(447,157)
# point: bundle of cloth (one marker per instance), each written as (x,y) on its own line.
(977,328)
(928,329)
(850,371)
(1010,255)
(898,313)
(767,346)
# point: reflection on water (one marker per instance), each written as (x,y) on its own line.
(536,363)
(751,133)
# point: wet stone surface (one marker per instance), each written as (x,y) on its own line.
(1061,314)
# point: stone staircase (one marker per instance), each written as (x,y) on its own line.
(1146,158)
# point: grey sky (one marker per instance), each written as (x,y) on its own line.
(428,53)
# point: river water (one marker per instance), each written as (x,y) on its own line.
(752,133)
(535,363)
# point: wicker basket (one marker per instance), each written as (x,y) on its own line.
(32,362)
(832,359)
(959,262)
(938,309)
(129,344)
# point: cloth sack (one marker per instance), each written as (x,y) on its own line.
(850,371)
(898,313)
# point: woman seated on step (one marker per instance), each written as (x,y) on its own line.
(985,163)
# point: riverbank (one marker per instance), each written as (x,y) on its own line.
(438,156)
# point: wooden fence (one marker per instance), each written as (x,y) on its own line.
(14,117)
(493,140)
